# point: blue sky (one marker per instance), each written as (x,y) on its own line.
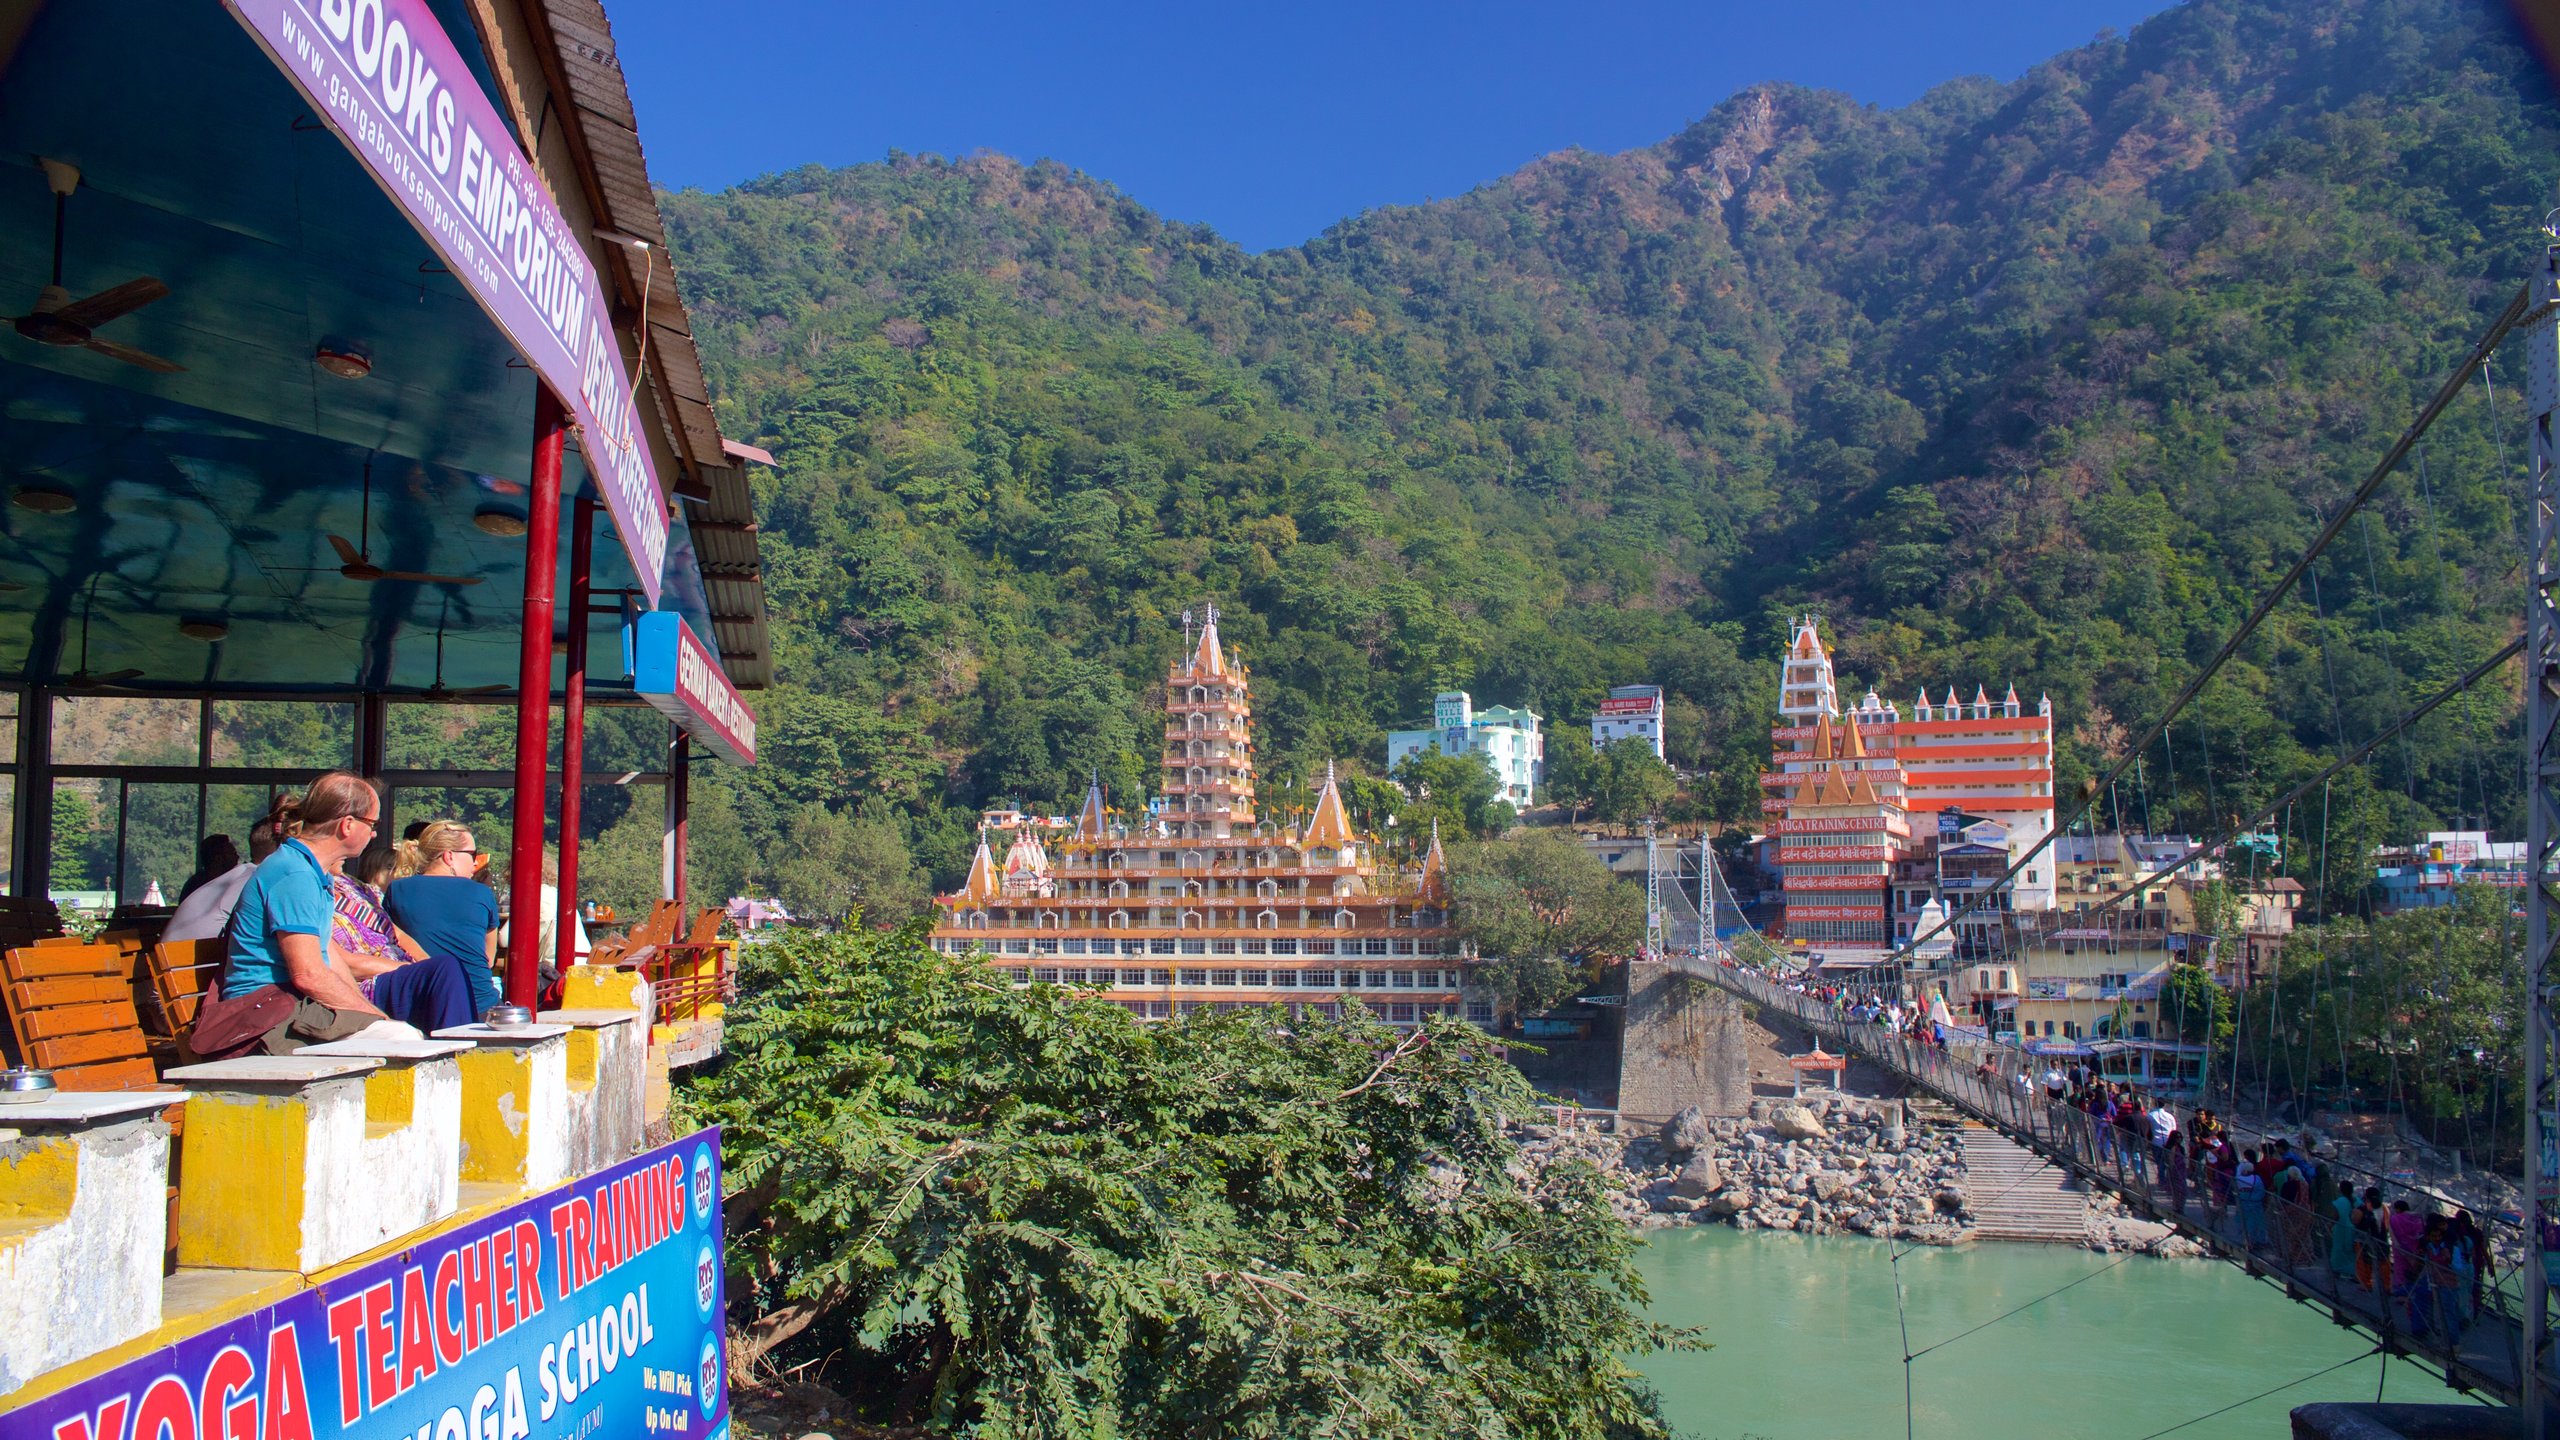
(1271,124)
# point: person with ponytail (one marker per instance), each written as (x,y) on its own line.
(449,913)
(283,984)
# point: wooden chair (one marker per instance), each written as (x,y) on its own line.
(183,972)
(71,1009)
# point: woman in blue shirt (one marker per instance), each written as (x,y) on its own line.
(445,910)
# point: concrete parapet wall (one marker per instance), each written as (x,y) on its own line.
(1687,1043)
(295,1163)
(84,1216)
(608,1060)
(515,1105)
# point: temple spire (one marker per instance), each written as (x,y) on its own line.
(983,885)
(1090,821)
(1434,887)
(1331,824)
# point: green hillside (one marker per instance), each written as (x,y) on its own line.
(2035,382)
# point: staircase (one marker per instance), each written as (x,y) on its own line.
(2015,1195)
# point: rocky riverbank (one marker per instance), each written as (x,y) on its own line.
(1829,1166)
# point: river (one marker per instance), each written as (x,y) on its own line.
(1807,1346)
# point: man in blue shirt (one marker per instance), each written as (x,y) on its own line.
(281,985)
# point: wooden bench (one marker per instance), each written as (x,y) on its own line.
(183,973)
(71,1009)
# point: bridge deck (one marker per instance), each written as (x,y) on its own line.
(2289,1247)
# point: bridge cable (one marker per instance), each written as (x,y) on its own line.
(2263,1394)
(2030,1305)
(2452,388)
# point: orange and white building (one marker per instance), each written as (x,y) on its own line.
(1208,904)
(1844,791)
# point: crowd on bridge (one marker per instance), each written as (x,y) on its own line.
(2422,1264)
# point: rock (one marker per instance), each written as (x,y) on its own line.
(1894,1137)
(1698,1179)
(1687,1132)
(1732,1202)
(1949,1199)
(1794,1122)
(1830,1184)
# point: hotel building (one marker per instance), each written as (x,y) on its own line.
(1207,903)
(1845,791)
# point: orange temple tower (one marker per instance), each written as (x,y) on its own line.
(1204,902)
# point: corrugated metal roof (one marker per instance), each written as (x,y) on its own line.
(578,51)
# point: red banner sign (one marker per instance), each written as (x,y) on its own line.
(1837,825)
(1834,912)
(1834,882)
(1809,854)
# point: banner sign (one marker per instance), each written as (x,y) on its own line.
(1797,913)
(383,74)
(1840,825)
(1834,882)
(1810,854)
(592,1310)
(679,675)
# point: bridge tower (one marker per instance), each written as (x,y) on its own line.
(2542,833)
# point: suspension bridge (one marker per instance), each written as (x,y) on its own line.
(2497,1343)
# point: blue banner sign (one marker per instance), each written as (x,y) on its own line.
(592,1310)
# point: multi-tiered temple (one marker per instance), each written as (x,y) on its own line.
(1205,902)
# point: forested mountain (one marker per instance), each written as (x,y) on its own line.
(2036,382)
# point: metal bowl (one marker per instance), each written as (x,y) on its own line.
(25,1086)
(508,1017)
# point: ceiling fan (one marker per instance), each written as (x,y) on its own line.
(356,561)
(440,690)
(57,319)
(81,679)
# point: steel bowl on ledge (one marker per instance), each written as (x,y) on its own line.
(25,1085)
(508,1017)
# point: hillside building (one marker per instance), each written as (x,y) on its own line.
(1205,902)
(1631,712)
(1848,790)
(1506,738)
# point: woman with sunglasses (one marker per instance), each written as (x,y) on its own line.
(444,909)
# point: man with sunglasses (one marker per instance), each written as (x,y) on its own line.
(281,987)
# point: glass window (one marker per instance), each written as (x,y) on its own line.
(1045,946)
(297,734)
(1160,947)
(1480,1012)
(1074,947)
(1071,977)
(1256,947)
(1319,979)
(84,835)
(1222,977)
(1285,947)
(1373,947)
(1159,1009)
(1282,979)
(1254,979)
(1160,977)
(1399,947)
(1195,947)
(1046,974)
(1319,947)
(159,843)
(1222,947)
(1195,977)
(1375,979)
(123,730)
(1403,979)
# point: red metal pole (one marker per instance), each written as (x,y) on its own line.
(533,701)
(573,734)
(679,815)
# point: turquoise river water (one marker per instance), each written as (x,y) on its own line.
(1807,1346)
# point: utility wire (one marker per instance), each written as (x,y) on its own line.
(2445,395)
(2263,1394)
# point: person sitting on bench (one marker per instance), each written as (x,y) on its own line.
(284,985)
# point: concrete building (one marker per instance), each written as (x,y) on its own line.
(1988,764)
(1631,712)
(1205,902)
(2431,873)
(1506,738)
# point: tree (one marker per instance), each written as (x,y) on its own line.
(1542,913)
(1573,768)
(1459,791)
(1021,1212)
(75,837)
(888,884)
(2193,1008)
(815,876)
(1632,782)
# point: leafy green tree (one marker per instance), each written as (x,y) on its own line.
(1459,791)
(1543,913)
(1019,1211)
(75,840)
(1575,772)
(817,877)
(2193,1008)
(1633,784)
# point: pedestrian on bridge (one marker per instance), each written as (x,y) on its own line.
(2173,1174)
(2250,1189)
